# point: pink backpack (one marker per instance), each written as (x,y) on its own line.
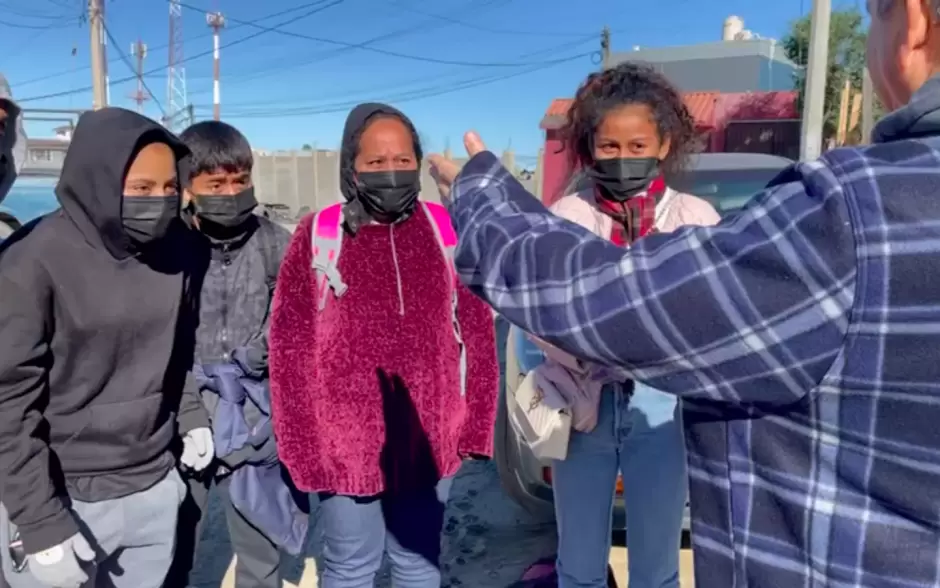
(327,243)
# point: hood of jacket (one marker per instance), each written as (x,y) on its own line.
(12,142)
(359,117)
(918,118)
(91,187)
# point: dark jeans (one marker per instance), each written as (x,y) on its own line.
(257,558)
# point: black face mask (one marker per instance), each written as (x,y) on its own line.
(226,211)
(147,218)
(389,196)
(623,178)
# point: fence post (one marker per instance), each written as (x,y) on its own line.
(293,154)
(316,177)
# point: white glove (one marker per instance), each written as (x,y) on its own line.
(60,566)
(198,449)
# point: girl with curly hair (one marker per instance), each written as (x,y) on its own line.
(627,132)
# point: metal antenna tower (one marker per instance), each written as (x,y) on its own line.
(177,101)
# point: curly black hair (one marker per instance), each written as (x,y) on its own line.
(628,83)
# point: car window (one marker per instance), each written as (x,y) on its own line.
(726,190)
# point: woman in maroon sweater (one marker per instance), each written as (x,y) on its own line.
(368,403)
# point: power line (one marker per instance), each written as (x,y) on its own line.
(127,61)
(369,90)
(483,29)
(322,56)
(52,21)
(411,96)
(14,11)
(320,7)
(44,27)
(165,45)
(365,45)
(25,45)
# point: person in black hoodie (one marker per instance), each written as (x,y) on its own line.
(96,343)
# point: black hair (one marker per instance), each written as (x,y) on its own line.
(217,146)
(350,149)
(357,137)
(628,83)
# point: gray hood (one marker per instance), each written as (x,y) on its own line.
(13,142)
(919,118)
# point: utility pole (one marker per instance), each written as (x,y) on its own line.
(868,104)
(98,66)
(814,90)
(139,50)
(216,22)
(605,48)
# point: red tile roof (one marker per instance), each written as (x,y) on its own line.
(559,107)
(760,106)
(701,106)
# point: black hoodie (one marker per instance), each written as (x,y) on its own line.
(95,342)
(354,213)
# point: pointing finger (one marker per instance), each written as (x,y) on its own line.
(473,143)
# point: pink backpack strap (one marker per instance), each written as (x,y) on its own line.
(445,233)
(441,219)
(447,240)
(326,242)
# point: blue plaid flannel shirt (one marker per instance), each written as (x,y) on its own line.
(813,435)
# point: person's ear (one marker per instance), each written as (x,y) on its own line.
(664,149)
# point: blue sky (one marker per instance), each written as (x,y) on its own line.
(275,87)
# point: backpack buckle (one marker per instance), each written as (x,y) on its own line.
(330,279)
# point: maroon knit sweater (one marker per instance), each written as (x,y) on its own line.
(373,361)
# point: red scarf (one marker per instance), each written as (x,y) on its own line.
(634,218)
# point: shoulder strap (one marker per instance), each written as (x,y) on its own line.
(447,240)
(326,241)
(269,252)
(444,232)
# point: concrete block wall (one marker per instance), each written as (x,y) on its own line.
(309,180)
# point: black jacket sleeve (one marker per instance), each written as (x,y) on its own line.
(278,239)
(192,411)
(28,470)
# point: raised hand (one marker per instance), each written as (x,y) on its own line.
(444,171)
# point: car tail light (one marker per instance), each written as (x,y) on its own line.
(619,485)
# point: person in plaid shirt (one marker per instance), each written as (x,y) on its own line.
(803,334)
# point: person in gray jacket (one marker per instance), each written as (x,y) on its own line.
(243,252)
(96,335)
(12,154)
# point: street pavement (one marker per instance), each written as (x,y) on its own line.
(488,541)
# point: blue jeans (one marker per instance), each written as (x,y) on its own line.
(358,532)
(640,437)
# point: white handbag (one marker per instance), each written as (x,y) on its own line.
(541,418)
